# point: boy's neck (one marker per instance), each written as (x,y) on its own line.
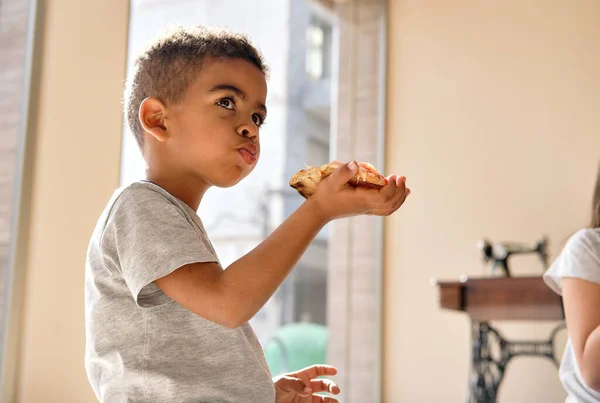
(187,190)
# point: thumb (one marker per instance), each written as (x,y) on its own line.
(289,384)
(344,173)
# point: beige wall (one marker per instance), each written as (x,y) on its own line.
(492,115)
(73,167)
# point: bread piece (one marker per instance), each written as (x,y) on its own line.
(306,180)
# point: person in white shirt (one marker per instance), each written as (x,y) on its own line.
(575,275)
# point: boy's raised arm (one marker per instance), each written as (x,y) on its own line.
(233,296)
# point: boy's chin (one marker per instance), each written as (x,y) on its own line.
(226,178)
(229,181)
(226,184)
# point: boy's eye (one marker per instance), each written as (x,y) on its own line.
(226,103)
(258,120)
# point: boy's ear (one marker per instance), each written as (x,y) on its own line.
(152,118)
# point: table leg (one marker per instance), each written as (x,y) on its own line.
(491,354)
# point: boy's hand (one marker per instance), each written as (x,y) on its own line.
(299,387)
(335,198)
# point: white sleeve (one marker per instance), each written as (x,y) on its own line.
(579,259)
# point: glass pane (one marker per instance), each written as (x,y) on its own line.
(314,54)
(292,326)
(14,20)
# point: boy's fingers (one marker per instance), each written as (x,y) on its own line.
(401,181)
(324,385)
(341,175)
(388,195)
(399,201)
(400,190)
(315,371)
(395,184)
(324,399)
(402,199)
(401,193)
(389,190)
(296,385)
(387,209)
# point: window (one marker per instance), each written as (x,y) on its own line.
(318,45)
(14,83)
(314,55)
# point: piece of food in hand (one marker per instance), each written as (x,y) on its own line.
(306,180)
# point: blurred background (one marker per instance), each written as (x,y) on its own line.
(488,108)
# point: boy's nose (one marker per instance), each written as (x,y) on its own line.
(245,131)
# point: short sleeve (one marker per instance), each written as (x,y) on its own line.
(146,237)
(580,258)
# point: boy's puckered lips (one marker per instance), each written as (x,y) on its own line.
(248,152)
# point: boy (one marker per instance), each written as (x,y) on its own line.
(164,321)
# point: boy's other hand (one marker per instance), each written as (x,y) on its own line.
(335,198)
(300,386)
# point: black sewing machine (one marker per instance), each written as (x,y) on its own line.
(499,252)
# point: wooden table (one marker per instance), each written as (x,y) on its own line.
(497,299)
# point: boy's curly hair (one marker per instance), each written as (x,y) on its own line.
(171,63)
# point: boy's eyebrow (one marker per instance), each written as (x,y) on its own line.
(238,92)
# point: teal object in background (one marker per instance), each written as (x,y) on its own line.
(296,346)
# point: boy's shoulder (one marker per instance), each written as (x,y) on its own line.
(142,194)
(140,201)
(144,189)
(143,213)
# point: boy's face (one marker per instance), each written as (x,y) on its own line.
(214,130)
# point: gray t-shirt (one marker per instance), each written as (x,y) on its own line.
(579,259)
(141,345)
